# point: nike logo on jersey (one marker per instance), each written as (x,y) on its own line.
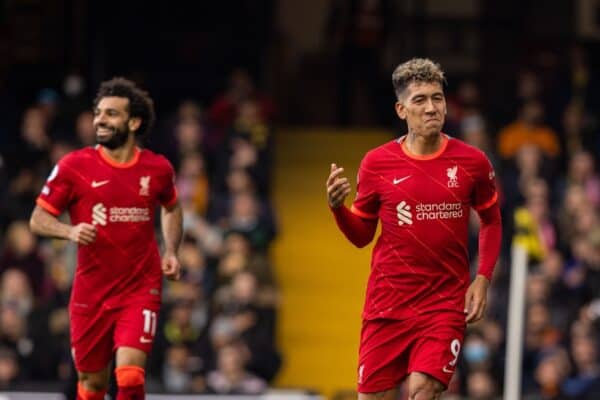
(145,340)
(96,184)
(447,370)
(397,181)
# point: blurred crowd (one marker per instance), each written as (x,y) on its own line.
(216,333)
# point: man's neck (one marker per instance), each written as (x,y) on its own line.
(121,154)
(422,145)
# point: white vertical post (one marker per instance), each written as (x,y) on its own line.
(516,312)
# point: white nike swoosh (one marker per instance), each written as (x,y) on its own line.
(448,371)
(100,183)
(145,340)
(397,181)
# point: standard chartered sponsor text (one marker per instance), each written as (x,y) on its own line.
(129,214)
(429,211)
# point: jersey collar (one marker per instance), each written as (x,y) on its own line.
(443,145)
(103,154)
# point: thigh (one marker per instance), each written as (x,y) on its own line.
(136,326)
(91,339)
(437,346)
(383,356)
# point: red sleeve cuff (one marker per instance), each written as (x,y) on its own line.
(358,230)
(362,214)
(171,203)
(488,203)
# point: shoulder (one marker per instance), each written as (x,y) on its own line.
(79,155)
(156,160)
(373,156)
(76,160)
(463,149)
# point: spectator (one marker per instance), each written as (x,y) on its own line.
(550,375)
(21,252)
(225,108)
(84,129)
(481,386)
(180,372)
(528,129)
(10,371)
(231,377)
(241,315)
(587,367)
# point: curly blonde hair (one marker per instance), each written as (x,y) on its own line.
(416,70)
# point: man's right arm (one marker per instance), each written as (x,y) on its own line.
(45,224)
(359,231)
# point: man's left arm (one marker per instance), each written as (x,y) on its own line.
(490,237)
(171,221)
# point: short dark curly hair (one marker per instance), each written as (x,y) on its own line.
(140,104)
(416,70)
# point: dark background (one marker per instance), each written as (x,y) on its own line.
(185,50)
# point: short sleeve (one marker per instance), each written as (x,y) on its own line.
(168,194)
(367,202)
(58,189)
(485,194)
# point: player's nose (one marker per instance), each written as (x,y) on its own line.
(429,107)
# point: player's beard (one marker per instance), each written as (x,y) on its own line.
(117,139)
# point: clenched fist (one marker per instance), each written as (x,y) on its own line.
(83,233)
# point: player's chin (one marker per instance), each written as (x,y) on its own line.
(433,130)
(102,138)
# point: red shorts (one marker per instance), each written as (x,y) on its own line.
(392,349)
(96,334)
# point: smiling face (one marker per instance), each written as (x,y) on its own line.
(112,122)
(423,107)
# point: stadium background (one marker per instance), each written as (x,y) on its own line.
(255,99)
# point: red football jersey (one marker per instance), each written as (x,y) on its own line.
(420,262)
(123,264)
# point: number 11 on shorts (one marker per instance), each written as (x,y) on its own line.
(149,322)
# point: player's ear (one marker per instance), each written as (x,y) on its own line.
(400,109)
(134,123)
